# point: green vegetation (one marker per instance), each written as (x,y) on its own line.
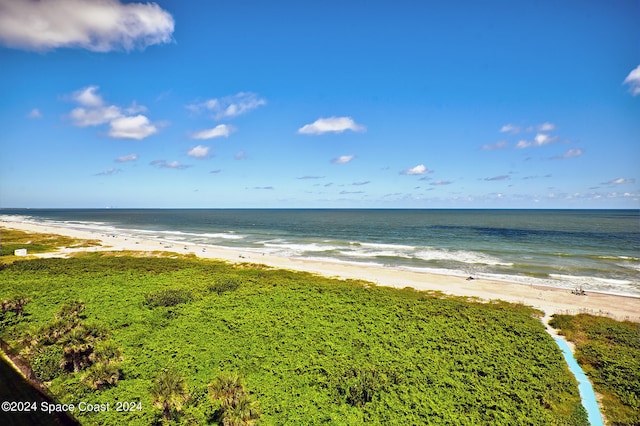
(609,353)
(13,239)
(237,406)
(288,347)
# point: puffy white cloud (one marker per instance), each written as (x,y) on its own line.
(230,106)
(540,139)
(96,25)
(136,127)
(221,130)
(343,159)
(84,117)
(126,158)
(331,124)
(94,112)
(88,97)
(199,151)
(420,169)
(633,80)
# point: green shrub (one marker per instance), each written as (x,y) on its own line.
(224,285)
(46,363)
(168,297)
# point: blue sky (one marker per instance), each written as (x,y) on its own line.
(404,104)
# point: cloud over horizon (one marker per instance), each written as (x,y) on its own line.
(95,25)
(331,125)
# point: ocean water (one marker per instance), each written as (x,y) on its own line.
(598,250)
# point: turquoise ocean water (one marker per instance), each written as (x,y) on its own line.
(596,249)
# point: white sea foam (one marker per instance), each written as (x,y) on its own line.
(373,254)
(397,247)
(578,278)
(460,256)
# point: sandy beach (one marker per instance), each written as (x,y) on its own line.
(547,299)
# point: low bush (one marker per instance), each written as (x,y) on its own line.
(168,297)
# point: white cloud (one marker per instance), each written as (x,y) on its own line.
(169,164)
(620,181)
(94,112)
(540,139)
(34,113)
(441,182)
(83,117)
(221,130)
(546,127)
(633,80)
(126,158)
(240,155)
(510,128)
(96,25)
(88,97)
(573,152)
(136,127)
(199,151)
(331,124)
(420,169)
(343,159)
(230,106)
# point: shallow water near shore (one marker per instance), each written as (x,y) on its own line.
(598,250)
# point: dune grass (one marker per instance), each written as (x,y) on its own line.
(13,239)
